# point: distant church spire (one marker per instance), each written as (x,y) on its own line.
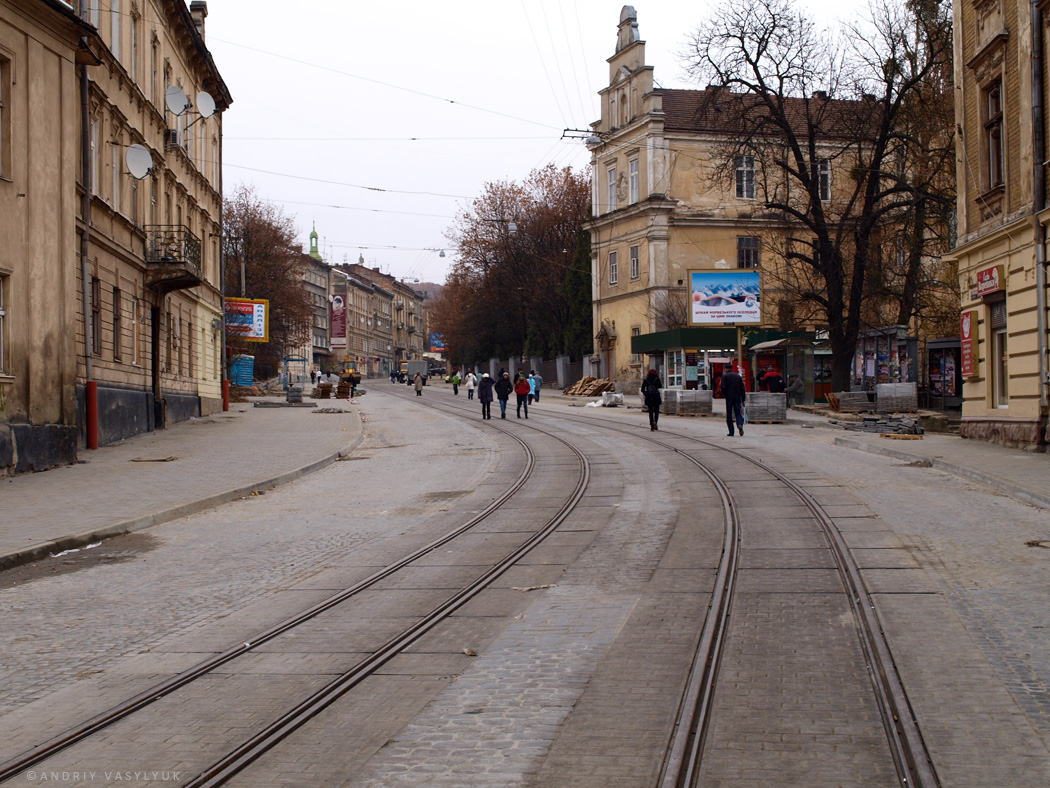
(314,253)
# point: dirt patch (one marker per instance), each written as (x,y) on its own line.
(111,551)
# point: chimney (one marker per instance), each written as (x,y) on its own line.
(821,95)
(199,10)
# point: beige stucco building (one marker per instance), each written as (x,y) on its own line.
(40,49)
(1001,74)
(669,198)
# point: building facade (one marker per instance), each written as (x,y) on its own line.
(149,338)
(41,56)
(318,284)
(1001,153)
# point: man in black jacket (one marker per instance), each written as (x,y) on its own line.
(733,389)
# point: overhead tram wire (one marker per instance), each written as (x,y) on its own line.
(557,59)
(590,88)
(572,62)
(543,62)
(383,84)
(349,185)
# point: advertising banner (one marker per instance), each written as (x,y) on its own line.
(436,344)
(968,333)
(248,319)
(724,297)
(338,323)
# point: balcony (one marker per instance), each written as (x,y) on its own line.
(173,258)
(412,329)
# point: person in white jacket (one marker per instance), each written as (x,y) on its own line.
(472,381)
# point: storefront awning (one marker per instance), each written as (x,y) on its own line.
(690,338)
(778,343)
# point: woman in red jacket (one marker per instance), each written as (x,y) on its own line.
(522,389)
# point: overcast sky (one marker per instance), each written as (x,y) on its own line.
(377,120)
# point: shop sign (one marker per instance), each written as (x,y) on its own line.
(968,333)
(724,297)
(990,280)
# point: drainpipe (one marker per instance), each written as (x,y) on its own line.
(90,386)
(222,280)
(1039,195)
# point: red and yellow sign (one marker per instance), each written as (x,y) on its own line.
(248,319)
(968,333)
(991,280)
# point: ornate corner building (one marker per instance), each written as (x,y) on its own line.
(1001,158)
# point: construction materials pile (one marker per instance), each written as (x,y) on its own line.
(882,425)
(766,406)
(589,387)
(850,401)
(686,402)
(322,391)
(897,397)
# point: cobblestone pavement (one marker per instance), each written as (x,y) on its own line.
(959,589)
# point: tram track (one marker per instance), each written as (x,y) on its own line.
(682,762)
(224,768)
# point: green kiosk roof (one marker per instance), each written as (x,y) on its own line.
(691,338)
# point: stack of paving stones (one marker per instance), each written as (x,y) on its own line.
(851,401)
(322,391)
(883,425)
(897,397)
(670,401)
(295,394)
(694,402)
(766,406)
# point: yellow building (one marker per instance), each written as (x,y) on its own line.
(1001,76)
(669,198)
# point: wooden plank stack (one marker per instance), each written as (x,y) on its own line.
(590,387)
(766,406)
(897,397)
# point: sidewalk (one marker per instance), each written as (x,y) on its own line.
(217,459)
(1019,474)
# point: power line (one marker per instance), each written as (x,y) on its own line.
(340,183)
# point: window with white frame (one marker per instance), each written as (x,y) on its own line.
(632,169)
(116,167)
(134,53)
(824,179)
(635,267)
(613,264)
(745,177)
(114,44)
(96,165)
(611,189)
(635,332)
(94,14)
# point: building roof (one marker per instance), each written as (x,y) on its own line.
(721,111)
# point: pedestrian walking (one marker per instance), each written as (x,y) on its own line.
(455,383)
(522,389)
(539,384)
(471,382)
(651,396)
(393,376)
(417,381)
(796,389)
(503,388)
(532,387)
(485,395)
(734,391)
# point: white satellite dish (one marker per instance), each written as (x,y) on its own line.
(205,104)
(176,100)
(139,161)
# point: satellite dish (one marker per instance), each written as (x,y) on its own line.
(205,104)
(139,161)
(176,100)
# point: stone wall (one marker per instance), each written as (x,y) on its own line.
(1030,435)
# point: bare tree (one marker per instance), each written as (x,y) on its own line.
(259,235)
(817,113)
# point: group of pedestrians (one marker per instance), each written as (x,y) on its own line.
(732,389)
(525,387)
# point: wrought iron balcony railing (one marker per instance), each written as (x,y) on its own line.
(174,256)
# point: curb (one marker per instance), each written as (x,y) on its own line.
(1004,487)
(43,549)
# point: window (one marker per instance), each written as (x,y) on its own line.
(824,179)
(747,248)
(136,331)
(96,316)
(5,74)
(133,65)
(674,363)
(118,324)
(613,275)
(94,15)
(114,44)
(1000,388)
(95,164)
(612,188)
(115,168)
(3,323)
(993,133)
(153,71)
(635,332)
(745,177)
(632,166)
(634,262)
